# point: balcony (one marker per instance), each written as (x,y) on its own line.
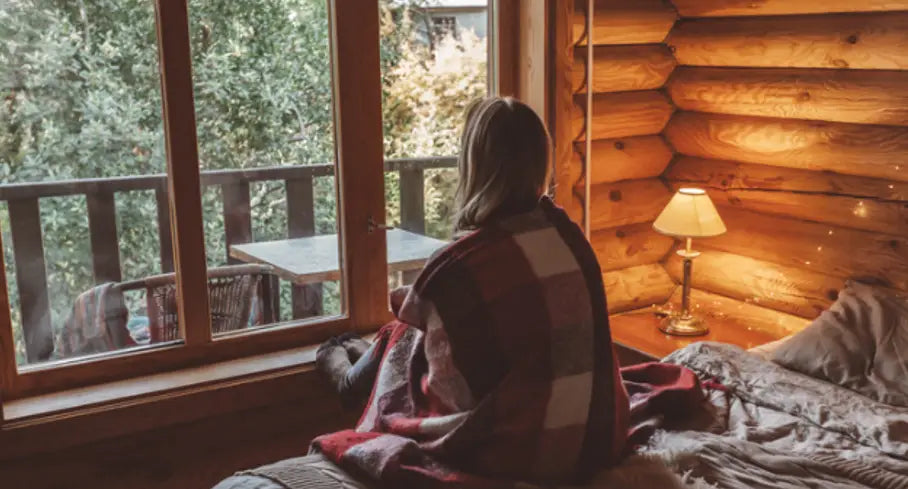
(28,245)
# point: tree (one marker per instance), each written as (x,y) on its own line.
(80,88)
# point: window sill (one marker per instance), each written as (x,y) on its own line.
(73,417)
(69,401)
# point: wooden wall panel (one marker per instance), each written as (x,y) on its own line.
(624,21)
(566,173)
(627,158)
(624,68)
(866,97)
(852,149)
(858,41)
(629,246)
(832,250)
(793,114)
(629,111)
(729,8)
(627,202)
(797,291)
(636,287)
(618,115)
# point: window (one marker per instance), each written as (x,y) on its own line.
(185,184)
(444,26)
(426,90)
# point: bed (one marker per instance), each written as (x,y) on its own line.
(764,425)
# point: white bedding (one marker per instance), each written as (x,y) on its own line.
(771,428)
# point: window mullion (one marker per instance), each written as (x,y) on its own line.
(360,158)
(183,170)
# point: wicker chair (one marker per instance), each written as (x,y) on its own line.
(233,291)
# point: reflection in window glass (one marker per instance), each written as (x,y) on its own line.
(262,79)
(81,116)
(434,64)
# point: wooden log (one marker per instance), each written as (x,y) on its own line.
(850,212)
(31,278)
(105,247)
(866,97)
(726,8)
(859,41)
(797,291)
(624,21)
(739,314)
(852,149)
(636,287)
(623,114)
(731,175)
(628,202)
(627,158)
(832,250)
(624,68)
(839,206)
(629,246)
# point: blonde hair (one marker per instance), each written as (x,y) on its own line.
(504,161)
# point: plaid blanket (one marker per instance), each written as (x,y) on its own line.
(499,368)
(96,324)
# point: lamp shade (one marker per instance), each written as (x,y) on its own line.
(690,214)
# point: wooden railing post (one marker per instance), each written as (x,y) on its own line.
(307,299)
(102,226)
(412,200)
(31,278)
(237,215)
(164,234)
(31,275)
(412,208)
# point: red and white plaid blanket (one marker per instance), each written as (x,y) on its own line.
(499,369)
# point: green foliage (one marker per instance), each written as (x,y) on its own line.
(80,95)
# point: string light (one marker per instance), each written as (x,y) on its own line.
(830,232)
(819,248)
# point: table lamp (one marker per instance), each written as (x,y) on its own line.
(690,214)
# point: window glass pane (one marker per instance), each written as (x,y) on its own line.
(82,166)
(262,79)
(434,64)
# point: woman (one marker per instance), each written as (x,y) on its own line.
(499,368)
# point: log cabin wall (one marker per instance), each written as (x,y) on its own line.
(793,115)
(630,110)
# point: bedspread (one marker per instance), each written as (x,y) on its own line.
(767,428)
(782,429)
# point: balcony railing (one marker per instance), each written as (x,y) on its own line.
(28,248)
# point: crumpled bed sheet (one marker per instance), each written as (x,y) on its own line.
(769,428)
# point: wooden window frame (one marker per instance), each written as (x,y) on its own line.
(356,80)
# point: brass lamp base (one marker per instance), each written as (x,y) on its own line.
(683,325)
